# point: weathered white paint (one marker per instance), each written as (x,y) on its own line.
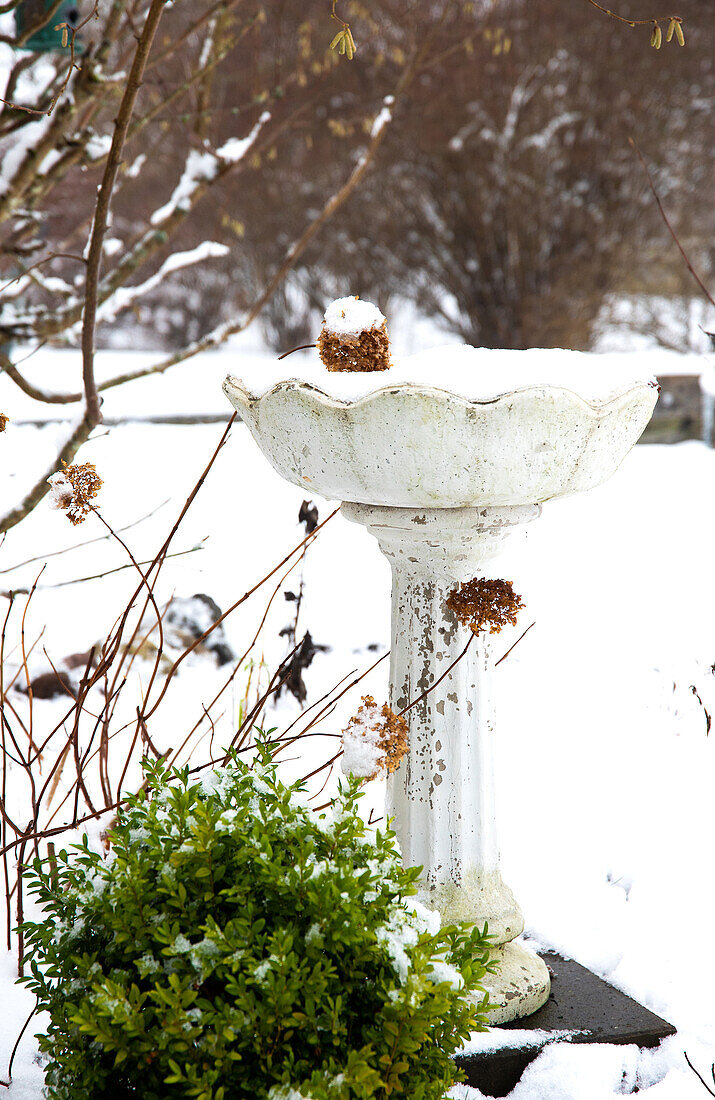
(411,445)
(439,480)
(442,796)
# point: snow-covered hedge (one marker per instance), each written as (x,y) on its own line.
(235,944)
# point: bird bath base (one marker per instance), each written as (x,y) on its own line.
(583,1009)
(442,795)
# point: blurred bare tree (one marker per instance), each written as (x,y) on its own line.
(170,187)
(509,204)
(130,133)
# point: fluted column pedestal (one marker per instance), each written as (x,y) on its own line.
(442,796)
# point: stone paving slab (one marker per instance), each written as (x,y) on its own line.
(582,1004)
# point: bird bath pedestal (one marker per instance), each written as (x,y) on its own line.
(439,467)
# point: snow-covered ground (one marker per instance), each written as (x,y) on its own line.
(606,772)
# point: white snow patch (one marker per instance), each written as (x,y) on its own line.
(285,1092)
(25,139)
(477,374)
(362,753)
(494,1038)
(98,146)
(61,491)
(395,936)
(427,920)
(441,971)
(385,116)
(199,168)
(235,149)
(133,169)
(351,316)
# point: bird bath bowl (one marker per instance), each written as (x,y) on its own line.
(439,457)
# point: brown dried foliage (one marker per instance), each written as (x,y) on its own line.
(3,422)
(482,603)
(86,483)
(392,734)
(370,351)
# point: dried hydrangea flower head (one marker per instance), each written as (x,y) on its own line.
(482,603)
(354,337)
(3,422)
(375,740)
(73,489)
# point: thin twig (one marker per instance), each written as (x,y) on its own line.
(636,22)
(15,1047)
(669,227)
(302,347)
(701,1079)
(39,263)
(117,569)
(87,542)
(233,607)
(511,647)
(439,679)
(101,212)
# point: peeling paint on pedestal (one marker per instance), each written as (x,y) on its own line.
(442,796)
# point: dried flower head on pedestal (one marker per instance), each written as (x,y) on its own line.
(482,603)
(375,740)
(354,337)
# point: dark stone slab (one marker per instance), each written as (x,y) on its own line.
(579,1001)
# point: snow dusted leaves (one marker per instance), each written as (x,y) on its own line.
(286,1092)
(354,337)
(482,603)
(403,930)
(342,949)
(73,490)
(375,740)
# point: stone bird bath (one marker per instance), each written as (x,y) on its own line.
(440,457)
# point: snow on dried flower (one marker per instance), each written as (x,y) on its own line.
(3,422)
(354,336)
(482,603)
(73,489)
(375,740)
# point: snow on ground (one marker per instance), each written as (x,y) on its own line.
(605,770)
(194,387)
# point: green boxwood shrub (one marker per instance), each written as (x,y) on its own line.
(234,945)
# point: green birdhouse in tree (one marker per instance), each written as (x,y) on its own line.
(54,36)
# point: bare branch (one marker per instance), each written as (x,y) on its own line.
(94,255)
(668,225)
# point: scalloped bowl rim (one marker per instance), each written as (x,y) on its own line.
(234,385)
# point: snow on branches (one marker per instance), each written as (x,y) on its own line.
(203,168)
